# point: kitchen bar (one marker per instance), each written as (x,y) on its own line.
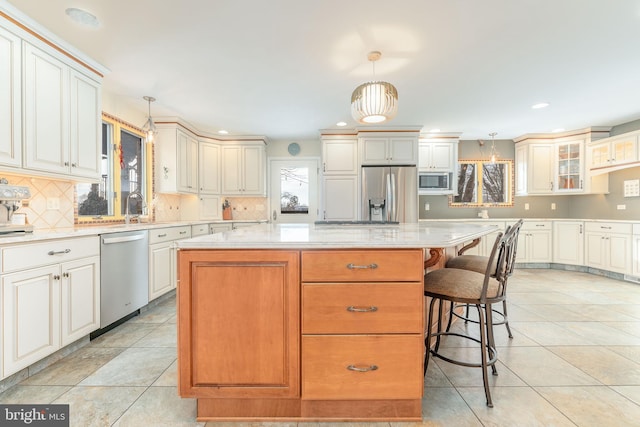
(308,322)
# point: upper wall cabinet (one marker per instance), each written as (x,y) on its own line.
(11,103)
(339,156)
(555,164)
(50,120)
(176,160)
(244,169)
(208,167)
(399,150)
(617,152)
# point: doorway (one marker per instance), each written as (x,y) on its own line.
(294,190)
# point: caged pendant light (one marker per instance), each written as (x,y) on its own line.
(376,101)
(149,127)
(493,156)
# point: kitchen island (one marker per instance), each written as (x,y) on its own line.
(308,322)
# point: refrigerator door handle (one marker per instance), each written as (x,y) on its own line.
(391,190)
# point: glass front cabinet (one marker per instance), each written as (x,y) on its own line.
(570,166)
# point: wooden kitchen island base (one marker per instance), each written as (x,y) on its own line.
(309,410)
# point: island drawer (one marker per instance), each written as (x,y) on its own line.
(362,367)
(398,265)
(362,308)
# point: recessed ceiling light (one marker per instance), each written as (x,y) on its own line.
(223,132)
(540,105)
(82,17)
(558,130)
(341,124)
(435,130)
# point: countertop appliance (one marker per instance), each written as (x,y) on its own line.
(433,182)
(11,197)
(389,194)
(124,274)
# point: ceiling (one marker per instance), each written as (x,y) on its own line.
(286,68)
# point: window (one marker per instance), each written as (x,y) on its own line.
(484,183)
(294,187)
(123,169)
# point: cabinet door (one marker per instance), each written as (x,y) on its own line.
(619,253)
(568,242)
(10,99)
(340,157)
(210,207)
(540,167)
(625,150)
(187,163)
(231,170)
(46,130)
(86,126)
(595,246)
(30,317)
(635,270)
(374,151)
(209,168)
(340,198)
(600,155)
(569,170)
(521,170)
(436,157)
(249,308)
(403,151)
(80,305)
(539,249)
(160,269)
(253,167)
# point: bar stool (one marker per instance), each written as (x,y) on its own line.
(478,263)
(459,286)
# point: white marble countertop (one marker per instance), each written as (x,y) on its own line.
(311,236)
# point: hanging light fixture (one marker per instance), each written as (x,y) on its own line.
(149,127)
(493,156)
(376,101)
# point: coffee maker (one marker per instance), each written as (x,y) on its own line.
(11,197)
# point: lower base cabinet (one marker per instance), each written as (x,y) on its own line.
(608,246)
(163,259)
(50,298)
(357,355)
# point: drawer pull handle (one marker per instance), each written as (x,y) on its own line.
(162,235)
(183,232)
(363,369)
(66,251)
(605,228)
(361,267)
(355,309)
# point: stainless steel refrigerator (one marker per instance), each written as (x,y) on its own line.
(389,194)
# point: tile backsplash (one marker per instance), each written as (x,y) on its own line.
(62,195)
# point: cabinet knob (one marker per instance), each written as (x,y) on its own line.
(66,163)
(74,165)
(56,277)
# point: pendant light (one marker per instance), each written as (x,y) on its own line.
(493,156)
(376,101)
(149,126)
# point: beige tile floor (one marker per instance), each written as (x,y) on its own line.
(574,361)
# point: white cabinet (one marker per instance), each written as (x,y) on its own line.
(568,242)
(535,242)
(389,150)
(176,160)
(635,269)
(611,153)
(199,230)
(209,168)
(163,258)
(219,228)
(210,207)
(62,130)
(555,164)
(50,298)
(340,177)
(340,198)
(244,170)
(340,157)
(437,156)
(608,246)
(11,99)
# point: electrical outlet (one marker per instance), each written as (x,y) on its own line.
(426,206)
(553,206)
(526,206)
(622,207)
(53,203)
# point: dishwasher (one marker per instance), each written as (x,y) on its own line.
(124,275)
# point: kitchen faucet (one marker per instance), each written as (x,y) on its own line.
(127,217)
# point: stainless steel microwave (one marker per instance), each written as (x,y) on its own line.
(434,182)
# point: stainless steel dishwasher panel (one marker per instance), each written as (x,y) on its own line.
(124,274)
